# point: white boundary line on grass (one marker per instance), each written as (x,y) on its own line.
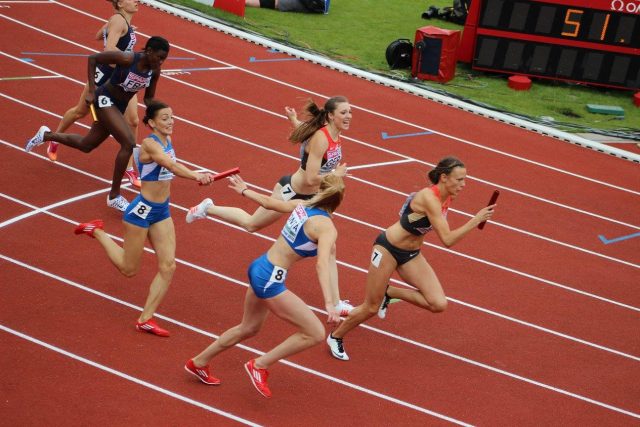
(405,87)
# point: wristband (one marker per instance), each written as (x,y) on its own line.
(242,192)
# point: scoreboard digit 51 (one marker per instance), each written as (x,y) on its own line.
(591,41)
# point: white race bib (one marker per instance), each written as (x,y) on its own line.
(141,210)
(98,76)
(278,275)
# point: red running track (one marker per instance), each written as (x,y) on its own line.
(542,326)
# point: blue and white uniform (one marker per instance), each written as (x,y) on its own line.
(129,79)
(267,280)
(125,43)
(142,212)
(152,171)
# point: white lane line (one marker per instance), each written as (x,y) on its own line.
(127,377)
(524,194)
(242,346)
(375,165)
(355,268)
(329,377)
(553,241)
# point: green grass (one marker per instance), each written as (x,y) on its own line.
(357,33)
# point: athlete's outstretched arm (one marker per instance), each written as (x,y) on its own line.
(239,186)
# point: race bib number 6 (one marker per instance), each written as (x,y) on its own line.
(104,101)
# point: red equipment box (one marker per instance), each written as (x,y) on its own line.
(434,54)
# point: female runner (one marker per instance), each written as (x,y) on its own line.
(309,231)
(133,72)
(398,249)
(148,214)
(320,155)
(117,34)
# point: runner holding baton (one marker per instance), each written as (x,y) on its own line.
(492,201)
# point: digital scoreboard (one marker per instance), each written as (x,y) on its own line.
(595,42)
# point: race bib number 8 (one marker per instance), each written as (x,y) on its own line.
(278,275)
(142,210)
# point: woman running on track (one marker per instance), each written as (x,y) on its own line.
(133,72)
(309,231)
(320,155)
(117,34)
(398,249)
(148,214)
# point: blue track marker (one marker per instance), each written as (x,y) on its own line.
(402,135)
(617,239)
(253,59)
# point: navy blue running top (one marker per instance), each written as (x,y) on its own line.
(130,79)
(125,43)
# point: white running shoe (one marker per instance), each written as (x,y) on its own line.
(343,307)
(119,203)
(199,211)
(382,311)
(38,139)
(336,347)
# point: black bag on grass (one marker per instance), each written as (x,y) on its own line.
(399,53)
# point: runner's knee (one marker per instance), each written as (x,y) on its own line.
(167,268)
(438,306)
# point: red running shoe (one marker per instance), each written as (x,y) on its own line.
(151,327)
(89,228)
(133,177)
(52,151)
(258,378)
(202,373)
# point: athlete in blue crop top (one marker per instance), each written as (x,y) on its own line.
(398,249)
(133,72)
(308,231)
(117,34)
(148,214)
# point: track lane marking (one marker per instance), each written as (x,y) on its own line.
(241,346)
(127,377)
(329,377)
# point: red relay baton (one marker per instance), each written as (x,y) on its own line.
(224,174)
(492,201)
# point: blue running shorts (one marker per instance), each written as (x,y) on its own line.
(144,213)
(266,279)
